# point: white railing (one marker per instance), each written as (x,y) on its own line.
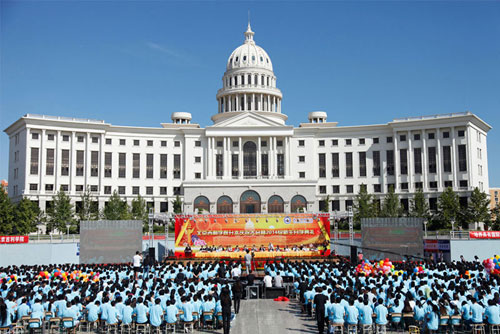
(62,118)
(418,118)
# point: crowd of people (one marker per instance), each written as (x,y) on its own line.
(445,295)
(262,248)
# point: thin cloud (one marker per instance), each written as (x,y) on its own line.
(164,49)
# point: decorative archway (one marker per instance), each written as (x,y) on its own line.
(298,203)
(224,204)
(250,202)
(275,204)
(201,203)
(249,159)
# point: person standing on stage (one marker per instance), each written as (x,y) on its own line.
(248,261)
(137,259)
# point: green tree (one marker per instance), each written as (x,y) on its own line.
(61,213)
(116,209)
(391,206)
(363,205)
(419,207)
(89,209)
(138,209)
(26,216)
(6,213)
(495,218)
(448,209)
(177,204)
(478,209)
(326,207)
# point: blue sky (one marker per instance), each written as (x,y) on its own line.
(135,62)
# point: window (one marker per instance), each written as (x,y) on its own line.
(362,163)
(404,186)
(446,134)
(391,187)
(136,165)
(197,175)
(433,184)
(265,164)
(376,163)
(163,166)
(136,142)
(463,184)
(302,175)
(94,163)
(335,165)
(149,165)
(49,164)
(163,190)
(108,141)
(281,164)
(121,190)
(249,159)
(389,140)
(433,204)
(447,159)
(335,142)
(448,184)
(122,168)
(149,143)
(361,141)
(107,190)
(348,204)
(177,166)
(321,143)
(322,189)
(432,159)
(34,136)
(33,186)
(34,161)
(403,155)
(80,156)
(349,188)
(108,164)
(236,144)
(149,190)
(301,142)
(197,160)
(94,188)
(235,163)
(177,143)
(348,164)
(419,185)
(416,136)
(461,133)
(79,188)
(279,143)
(336,189)
(322,165)
(50,136)
(122,142)
(302,158)
(480,170)
(402,138)
(348,142)
(80,139)
(49,187)
(375,140)
(462,158)
(64,162)
(177,191)
(65,138)
(390,162)
(431,135)
(197,143)
(336,205)
(219,165)
(95,140)
(377,188)
(417,160)
(219,143)
(163,143)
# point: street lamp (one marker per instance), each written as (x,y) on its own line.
(425,228)
(452,228)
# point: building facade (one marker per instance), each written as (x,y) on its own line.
(494,197)
(249,160)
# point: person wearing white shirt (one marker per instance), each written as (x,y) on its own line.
(268,281)
(137,263)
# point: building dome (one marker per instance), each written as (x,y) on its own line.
(249,55)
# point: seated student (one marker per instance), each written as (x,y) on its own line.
(381,313)
(433,318)
(171,312)
(104,309)
(112,314)
(207,307)
(352,313)
(196,307)
(336,312)
(466,313)
(477,312)
(141,312)
(492,313)
(156,314)
(37,311)
(70,312)
(366,312)
(23,309)
(187,308)
(126,313)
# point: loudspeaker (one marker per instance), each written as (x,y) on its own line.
(152,253)
(354,254)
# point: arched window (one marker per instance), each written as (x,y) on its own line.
(224,204)
(275,204)
(249,159)
(250,202)
(298,203)
(201,203)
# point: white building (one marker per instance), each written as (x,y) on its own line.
(249,160)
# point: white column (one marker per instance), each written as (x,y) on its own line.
(261,104)
(41,161)
(209,156)
(101,164)
(470,154)
(253,101)
(410,162)
(397,167)
(57,162)
(259,158)
(439,162)
(268,103)
(425,169)
(287,157)
(229,103)
(72,164)
(86,165)
(245,105)
(224,157)
(454,159)
(240,158)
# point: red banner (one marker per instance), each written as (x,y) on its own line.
(14,239)
(484,234)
